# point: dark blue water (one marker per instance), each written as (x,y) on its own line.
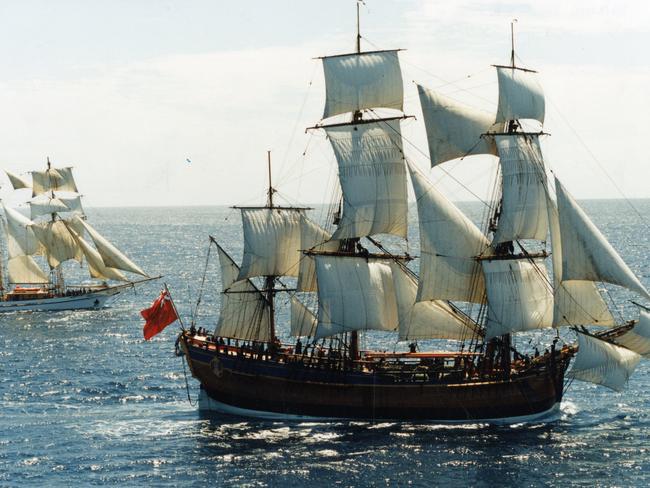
(86,401)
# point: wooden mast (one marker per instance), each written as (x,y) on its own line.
(270,279)
(350,244)
(58,271)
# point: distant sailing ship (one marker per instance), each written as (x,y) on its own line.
(56,231)
(478,287)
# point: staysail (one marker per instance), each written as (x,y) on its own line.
(17,181)
(453,131)
(244,310)
(303,321)
(576,302)
(111,256)
(449,244)
(586,254)
(312,238)
(637,338)
(431,319)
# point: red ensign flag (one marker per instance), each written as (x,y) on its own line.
(159,315)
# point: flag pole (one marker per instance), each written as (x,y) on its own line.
(174,305)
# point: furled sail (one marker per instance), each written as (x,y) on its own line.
(453,131)
(21,240)
(303,321)
(46,204)
(271,242)
(575,302)
(372,177)
(520,95)
(519,295)
(424,320)
(111,256)
(523,212)
(586,254)
(57,179)
(24,269)
(449,244)
(362,80)
(603,363)
(59,243)
(637,339)
(354,293)
(17,181)
(96,266)
(244,310)
(312,237)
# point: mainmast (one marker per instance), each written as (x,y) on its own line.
(270,279)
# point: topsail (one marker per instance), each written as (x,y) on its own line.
(362,80)
(373,178)
(454,131)
(520,95)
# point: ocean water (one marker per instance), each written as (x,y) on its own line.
(86,401)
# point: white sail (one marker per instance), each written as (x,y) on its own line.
(575,302)
(112,256)
(244,310)
(303,321)
(73,202)
(449,244)
(523,214)
(453,131)
(21,240)
(96,266)
(57,179)
(520,95)
(359,81)
(23,269)
(637,339)
(17,181)
(60,245)
(372,177)
(603,363)
(354,293)
(46,204)
(586,254)
(519,296)
(312,237)
(271,242)
(424,320)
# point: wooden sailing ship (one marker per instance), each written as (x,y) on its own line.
(55,233)
(476,286)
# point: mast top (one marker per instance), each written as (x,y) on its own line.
(271,190)
(49,165)
(358,28)
(512,42)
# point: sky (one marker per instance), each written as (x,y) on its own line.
(128,91)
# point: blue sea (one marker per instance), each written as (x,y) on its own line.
(86,401)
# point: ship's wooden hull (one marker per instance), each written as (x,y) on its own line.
(291,389)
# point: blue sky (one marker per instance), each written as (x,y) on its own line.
(127,90)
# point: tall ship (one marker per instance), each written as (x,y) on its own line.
(534,266)
(57,231)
